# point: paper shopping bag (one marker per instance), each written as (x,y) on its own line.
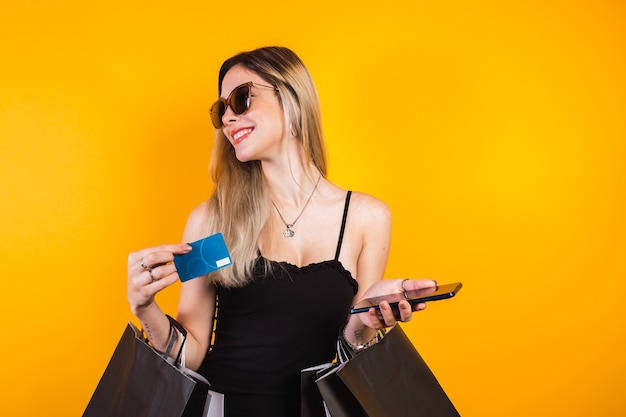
(141,382)
(389,379)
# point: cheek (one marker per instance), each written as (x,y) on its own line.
(275,112)
(279,128)
(274,125)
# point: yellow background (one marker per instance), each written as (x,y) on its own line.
(494,130)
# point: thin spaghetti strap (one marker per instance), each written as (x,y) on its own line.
(217,298)
(343,225)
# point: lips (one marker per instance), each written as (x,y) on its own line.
(240,134)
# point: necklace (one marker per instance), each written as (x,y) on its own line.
(288,232)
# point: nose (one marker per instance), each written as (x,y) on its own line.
(229,116)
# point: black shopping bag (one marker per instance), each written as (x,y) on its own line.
(141,382)
(389,379)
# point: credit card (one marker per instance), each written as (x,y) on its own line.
(207,255)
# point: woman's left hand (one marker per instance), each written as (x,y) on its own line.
(385,317)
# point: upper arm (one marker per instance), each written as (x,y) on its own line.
(196,305)
(374,225)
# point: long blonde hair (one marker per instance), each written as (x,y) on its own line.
(240,205)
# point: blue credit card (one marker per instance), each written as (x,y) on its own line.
(207,255)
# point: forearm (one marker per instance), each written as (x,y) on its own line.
(357,334)
(155,325)
(158,329)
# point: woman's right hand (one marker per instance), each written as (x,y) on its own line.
(149,271)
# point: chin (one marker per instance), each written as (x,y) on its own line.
(243,158)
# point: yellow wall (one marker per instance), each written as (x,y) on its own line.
(494,130)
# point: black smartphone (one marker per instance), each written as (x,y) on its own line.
(440,292)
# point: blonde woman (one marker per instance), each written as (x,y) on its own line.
(304,250)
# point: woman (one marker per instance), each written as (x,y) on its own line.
(304,250)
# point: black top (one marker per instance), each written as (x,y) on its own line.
(278,324)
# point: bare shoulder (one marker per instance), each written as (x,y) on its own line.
(370,222)
(197,222)
(369,209)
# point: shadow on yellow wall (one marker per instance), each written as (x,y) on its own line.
(495,133)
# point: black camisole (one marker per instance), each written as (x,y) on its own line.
(276,325)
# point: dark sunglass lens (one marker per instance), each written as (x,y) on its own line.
(240,99)
(217,112)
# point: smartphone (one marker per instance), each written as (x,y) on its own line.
(440,292)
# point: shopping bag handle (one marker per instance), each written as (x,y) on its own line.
(174,325)
(173,337)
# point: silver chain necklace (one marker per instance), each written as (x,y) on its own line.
(288,232)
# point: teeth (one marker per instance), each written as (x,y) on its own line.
(241,133)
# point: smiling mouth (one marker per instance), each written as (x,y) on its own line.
(241,135)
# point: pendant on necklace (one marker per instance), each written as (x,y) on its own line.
(288,232)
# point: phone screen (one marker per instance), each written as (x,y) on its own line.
(440,292)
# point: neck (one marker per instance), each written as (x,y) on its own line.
(291,187)
(289,232)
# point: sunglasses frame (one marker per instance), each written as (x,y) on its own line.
(227,102)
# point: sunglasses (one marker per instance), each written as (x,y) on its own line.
(238,100)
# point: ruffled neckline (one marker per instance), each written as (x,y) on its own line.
(313,267)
